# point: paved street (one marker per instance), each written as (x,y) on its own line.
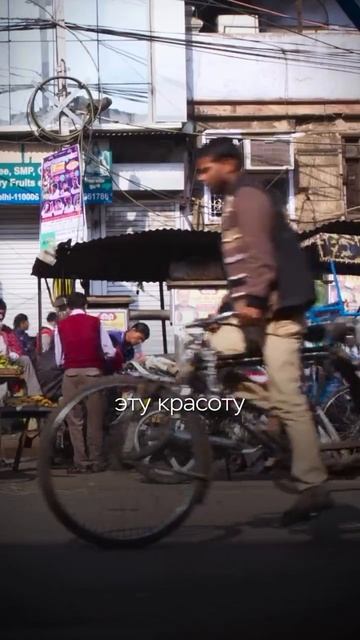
(228,572)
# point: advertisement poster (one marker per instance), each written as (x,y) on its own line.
(62,213)
(97,178)
(192,304)
(112,320)
(350,292)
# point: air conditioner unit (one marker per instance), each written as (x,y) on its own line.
(236,24)
(268,153)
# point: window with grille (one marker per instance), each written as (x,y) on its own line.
(352,177)
(271,160)
(276,181)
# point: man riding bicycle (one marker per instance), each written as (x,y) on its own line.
(270,288)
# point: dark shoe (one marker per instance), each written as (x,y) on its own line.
(98,467)
(76,469)
(309,504)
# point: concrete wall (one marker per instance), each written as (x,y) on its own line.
(275,66)
(169,61)
(146,176)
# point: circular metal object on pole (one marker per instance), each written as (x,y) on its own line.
(60,108)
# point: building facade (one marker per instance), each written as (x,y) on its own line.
(285,87)
(144,75)
(280,78)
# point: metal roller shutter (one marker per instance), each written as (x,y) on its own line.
(19,246)
(132,219)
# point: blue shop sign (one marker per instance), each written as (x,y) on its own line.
(20,183)
(97,178)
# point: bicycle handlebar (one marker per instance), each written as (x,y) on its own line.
(329,332)
(207,322)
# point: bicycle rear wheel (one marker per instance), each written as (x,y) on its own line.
(116,508)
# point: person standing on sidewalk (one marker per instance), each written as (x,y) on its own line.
(270,288)
(45,337)
(81,347)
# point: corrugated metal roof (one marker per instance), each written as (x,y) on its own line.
(150,256)
(102,133)
(338,227)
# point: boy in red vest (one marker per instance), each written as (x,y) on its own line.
(81,347)
(44,338)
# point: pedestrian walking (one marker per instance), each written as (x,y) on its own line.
(270,287)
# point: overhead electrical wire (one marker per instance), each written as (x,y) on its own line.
(226,49)
(160,194)
(281,27)
(306,21)
(136,36)
(166,40)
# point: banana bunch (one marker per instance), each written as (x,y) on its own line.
(41,401)
(63,287)
(5,363)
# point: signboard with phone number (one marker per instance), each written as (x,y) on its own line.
(20,184)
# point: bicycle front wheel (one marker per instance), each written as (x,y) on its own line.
(116,508)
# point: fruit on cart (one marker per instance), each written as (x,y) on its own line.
(39,401)
(14,369)
(42,401)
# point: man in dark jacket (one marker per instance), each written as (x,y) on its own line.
(270,287)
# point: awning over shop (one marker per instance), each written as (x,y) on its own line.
(149,256)
(173,254)
(341,249)
(337,241)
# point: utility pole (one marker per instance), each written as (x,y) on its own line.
(300,15)
(60,48)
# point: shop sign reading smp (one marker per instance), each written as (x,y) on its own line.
(20,183)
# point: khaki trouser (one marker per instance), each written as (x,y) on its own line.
(74,380)
(283,395)
(29,375)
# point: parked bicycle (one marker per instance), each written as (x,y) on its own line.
(336,419)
